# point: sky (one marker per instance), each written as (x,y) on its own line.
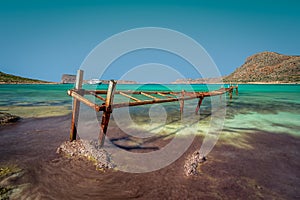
(45,39)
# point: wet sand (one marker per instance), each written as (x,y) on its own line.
(269,168)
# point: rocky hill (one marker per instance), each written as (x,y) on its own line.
(267,67)
(11,79)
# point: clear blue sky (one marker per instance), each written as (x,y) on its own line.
(44,39)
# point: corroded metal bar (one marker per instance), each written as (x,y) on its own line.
(161,94)
(128,96)
(188,96)
(95,95)
(87,102)
(148,95)
(230,94)
(107,107)
(198,105)
(125,104)
(182,103)
(135,92)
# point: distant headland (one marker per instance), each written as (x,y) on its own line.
(12,79)
(264,68)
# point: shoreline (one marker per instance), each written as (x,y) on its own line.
(238,83)
(28,83)
(217,83)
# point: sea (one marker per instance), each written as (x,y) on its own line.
(267,107)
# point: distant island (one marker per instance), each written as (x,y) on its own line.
(12,79)
(265,67)
(68,78)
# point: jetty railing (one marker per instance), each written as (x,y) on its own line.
(108,104)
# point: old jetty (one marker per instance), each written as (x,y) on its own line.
(108,102)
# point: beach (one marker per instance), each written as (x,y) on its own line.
(256,157)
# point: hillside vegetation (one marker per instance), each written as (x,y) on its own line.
(11,79)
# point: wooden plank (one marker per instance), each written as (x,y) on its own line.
(128,96)
(76,107)
(108,110)
(148,95)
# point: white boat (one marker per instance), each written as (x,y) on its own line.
(94,82)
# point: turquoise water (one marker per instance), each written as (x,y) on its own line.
(34,95)
(273,108)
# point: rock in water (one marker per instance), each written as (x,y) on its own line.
(192,163)
(6,118)
(88,149)
(9,189)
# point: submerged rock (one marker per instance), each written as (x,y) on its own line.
(8,188)
(192,163)
(88,149)
(6,118)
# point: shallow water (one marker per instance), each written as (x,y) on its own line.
(273,108)
(266,107)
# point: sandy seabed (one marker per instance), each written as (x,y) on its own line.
(253,165)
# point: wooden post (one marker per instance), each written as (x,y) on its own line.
(237,90)
(199,104)
(182,103)
(108,110)
(230,93)
(76,106)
